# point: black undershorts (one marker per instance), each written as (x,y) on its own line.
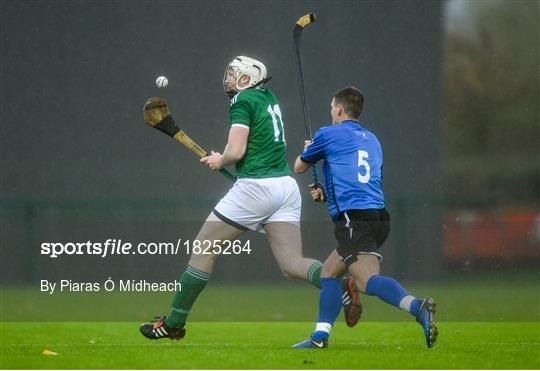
(361,232)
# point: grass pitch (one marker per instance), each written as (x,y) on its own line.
(477,318)
(266,345)
(469,299)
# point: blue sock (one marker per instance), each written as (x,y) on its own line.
(390,291)
(329,307)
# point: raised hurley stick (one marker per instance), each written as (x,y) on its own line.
(302,23)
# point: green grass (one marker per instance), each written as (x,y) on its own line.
(503,299)
(267,345)
(484,323)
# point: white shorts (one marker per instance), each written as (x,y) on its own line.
(251,203)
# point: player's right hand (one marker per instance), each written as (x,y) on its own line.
(307,143)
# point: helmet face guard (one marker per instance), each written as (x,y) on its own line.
(241,66)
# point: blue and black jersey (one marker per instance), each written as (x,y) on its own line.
(352,169)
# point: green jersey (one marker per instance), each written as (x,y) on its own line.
(258,110)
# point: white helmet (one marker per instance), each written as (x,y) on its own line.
(245,66)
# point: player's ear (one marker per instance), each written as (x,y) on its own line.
(245,79)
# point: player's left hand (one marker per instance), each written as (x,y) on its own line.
(306,143)
(317,192)
(214,161)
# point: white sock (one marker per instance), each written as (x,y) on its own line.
(405,303)
(323,326)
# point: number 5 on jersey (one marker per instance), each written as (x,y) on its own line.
(275,113)
(362,163)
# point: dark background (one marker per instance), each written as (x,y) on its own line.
(78,163)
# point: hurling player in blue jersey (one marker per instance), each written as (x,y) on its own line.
(352,172)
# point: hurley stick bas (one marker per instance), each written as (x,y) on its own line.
(156,114)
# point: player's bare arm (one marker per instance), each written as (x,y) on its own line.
(301,166)
(317,193)
(234,151)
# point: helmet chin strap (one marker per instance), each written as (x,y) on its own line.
(263,81)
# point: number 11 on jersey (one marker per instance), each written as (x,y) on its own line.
(275,113)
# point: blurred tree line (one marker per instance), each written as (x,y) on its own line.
(491,106)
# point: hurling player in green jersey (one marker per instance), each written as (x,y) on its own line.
(264,198)
(256,112)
